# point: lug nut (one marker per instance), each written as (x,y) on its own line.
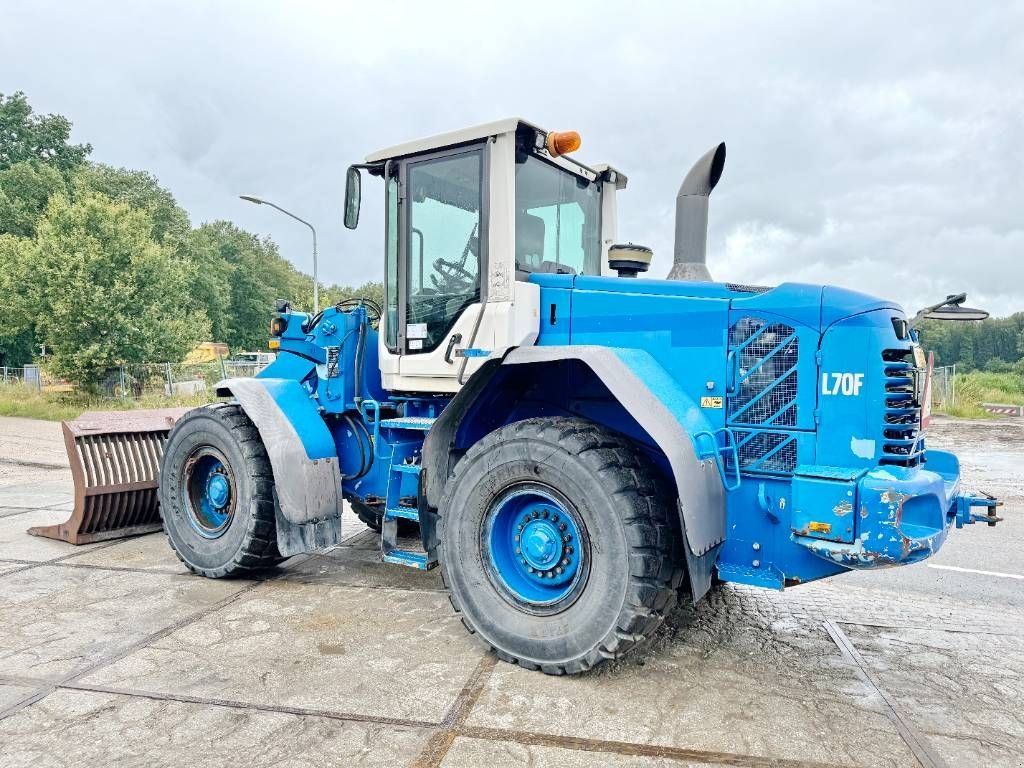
(544,513)
(569,550)
(561,526)
(558,570)
(529,569)
(519,551)
(567,538)
(565,561)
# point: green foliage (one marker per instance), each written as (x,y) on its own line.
(102,266)
(122,297)
(139,190)
(25,189)
(972,345)
(238,278)
(25,136)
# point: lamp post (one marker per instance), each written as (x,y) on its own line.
(316,280)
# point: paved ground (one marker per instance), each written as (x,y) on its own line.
(112,654)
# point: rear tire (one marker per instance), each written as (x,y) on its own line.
(559,599)
(373,516)
(217,493)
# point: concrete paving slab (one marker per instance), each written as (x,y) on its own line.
(722,678)
(7,567)
(35,492)
(56,620)
(393,653)
(473,753)
(963,690)
(78,728)
(357,566)
(150,553)
(17,544)
(9,694)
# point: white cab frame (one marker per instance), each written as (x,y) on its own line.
(509,313)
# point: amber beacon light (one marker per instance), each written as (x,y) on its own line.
(562,142)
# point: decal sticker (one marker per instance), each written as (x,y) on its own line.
(415,344)
(333,354)
(817,527)
(847,384)
(711,402)
(416,331)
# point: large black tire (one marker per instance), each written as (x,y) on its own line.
(248,541)
(372,517)
(634,565)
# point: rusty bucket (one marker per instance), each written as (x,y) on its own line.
(115,463)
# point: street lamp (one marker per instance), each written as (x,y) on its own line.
(316,280)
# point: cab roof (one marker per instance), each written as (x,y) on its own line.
(464,135)
(461,136)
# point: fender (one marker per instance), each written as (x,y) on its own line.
(654,400)
(307,478)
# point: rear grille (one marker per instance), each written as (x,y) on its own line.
(903,442)
(764,451)
(766,373)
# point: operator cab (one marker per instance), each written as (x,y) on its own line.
(469,216)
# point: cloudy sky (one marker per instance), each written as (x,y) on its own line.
(878,146)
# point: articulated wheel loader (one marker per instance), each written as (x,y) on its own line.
(576,447)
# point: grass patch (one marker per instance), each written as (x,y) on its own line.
(977,387)
(27,402)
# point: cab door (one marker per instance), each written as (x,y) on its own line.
(436,295)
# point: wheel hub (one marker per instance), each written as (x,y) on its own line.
(534,547)
(208,493)
(218,490)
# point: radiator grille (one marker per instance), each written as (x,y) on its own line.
(766,373)
(903,442)
(764,451)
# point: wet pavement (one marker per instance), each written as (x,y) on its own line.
(113,654)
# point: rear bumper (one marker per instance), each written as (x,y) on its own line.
(901,515)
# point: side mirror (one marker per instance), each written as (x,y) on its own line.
(952,309)
(353,185)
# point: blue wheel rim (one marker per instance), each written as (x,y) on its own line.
(536,548)
(208,493)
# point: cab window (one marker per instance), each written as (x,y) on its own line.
(443,243)
(558,219)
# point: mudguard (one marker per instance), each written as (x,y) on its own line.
(655,401)
(307,477)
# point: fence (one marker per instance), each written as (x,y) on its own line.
(28,376)
(944,386)
(142,380)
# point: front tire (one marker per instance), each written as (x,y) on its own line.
(217,493)
(557,545)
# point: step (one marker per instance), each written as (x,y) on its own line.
(407,513)
(409,559)
(409,469)
(422,423)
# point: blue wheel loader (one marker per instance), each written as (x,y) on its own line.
(575,446)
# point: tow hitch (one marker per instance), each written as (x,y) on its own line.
(965,506)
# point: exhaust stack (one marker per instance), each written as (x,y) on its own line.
(691,245)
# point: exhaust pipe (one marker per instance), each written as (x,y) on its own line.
(691,245)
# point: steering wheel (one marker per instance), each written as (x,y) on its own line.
(454,277)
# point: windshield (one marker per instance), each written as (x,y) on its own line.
(558,219)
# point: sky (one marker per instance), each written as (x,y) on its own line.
(877,146)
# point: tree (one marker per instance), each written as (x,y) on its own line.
(17,340)
(241,276)
(25,189)
(43,138)
(104,292)
(139,190)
